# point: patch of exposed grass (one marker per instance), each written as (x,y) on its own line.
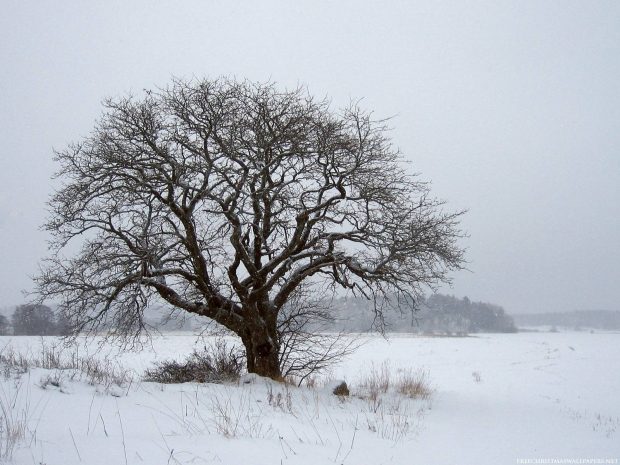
(414,384)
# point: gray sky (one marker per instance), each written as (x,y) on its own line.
(512,109)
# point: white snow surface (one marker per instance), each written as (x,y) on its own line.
(497,399)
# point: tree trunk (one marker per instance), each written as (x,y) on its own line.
(262,355)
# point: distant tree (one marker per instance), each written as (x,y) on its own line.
(5,326)
(62,325)
(221,198)
(33,320)
(448,312)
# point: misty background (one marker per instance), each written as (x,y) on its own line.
(511,109)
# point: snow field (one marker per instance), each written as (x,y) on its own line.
(495,399)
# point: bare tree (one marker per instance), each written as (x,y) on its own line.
(221,198)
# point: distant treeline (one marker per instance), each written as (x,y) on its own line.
(33,320)
(595,319)
(438,313)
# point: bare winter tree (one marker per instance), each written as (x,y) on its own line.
(222,198)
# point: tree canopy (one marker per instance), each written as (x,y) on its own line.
(224,198)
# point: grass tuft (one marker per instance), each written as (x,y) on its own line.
(414,385)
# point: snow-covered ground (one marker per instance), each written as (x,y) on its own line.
(504,398)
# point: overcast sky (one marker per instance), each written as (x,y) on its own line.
(511,109)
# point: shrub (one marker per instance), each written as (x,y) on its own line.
(215,364)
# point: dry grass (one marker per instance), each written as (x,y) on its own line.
(238,416)
(414,384)
(409,383)
(383,390)
(377,381)
(391,398)
(94,371)
(15,410)
(281,400)
(15,416)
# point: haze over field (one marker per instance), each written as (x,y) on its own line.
(510,108)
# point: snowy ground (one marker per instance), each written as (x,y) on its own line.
(497,399)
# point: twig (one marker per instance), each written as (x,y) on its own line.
(352,440)
(104,428)
(90,409)
(75,445)
(118,412)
